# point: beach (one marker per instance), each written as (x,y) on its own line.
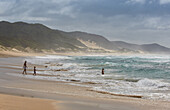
(11,102)
(60,95)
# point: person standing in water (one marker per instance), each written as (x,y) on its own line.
(25,68)
(102,71)
(34,70)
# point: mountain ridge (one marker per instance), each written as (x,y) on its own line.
(38,37)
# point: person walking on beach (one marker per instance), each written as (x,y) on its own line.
(25,68)
(34,71)
(102,71)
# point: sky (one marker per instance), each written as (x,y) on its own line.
(134,21)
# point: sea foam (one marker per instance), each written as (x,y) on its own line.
(145,75)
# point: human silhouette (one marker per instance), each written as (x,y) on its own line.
(34,71)
(25,68)
(102,71)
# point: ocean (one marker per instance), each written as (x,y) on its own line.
(144,75)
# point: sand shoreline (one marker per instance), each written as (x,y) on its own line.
(71,95)
(13,102)
(26,54)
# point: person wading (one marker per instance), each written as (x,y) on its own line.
(102,71)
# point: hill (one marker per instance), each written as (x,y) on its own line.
(147,48)
(22,36)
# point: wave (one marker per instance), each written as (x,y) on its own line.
(129,75)
(157,84)
(127,79)
(53,57)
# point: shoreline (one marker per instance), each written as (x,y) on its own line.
(116,102)
(53,89)
(5,54)
(78,84)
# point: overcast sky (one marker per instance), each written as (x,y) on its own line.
(135,21)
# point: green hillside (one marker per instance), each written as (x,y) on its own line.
(39,38)
(36,36)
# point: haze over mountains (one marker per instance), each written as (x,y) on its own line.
(39,38)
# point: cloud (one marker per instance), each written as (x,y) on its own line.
(157,23)
(4,5)
(164,1)
(149,1)
(136,1)
(39,10)
(63,1)
(66,11)
(140,21)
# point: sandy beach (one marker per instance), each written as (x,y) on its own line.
(57,95)
(11,102)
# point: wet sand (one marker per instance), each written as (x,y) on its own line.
(71,97)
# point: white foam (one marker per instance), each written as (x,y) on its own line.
(53,57)
(111,81)
(151,84)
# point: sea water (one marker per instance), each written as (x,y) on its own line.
(144,75)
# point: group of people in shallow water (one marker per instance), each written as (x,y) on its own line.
(25,69)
